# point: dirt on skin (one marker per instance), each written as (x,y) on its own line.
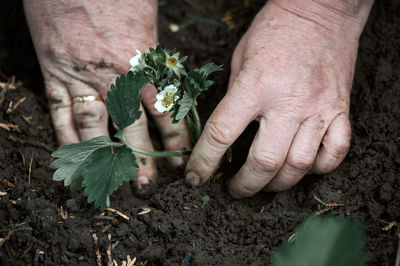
(43,223)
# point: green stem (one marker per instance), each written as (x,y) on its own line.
(156,154)
(197,123)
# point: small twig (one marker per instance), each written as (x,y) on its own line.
(292,238)
(109,256)
(334,204)
(8,183)
(9,109)
(105,228)
(389,226)
(10,127)
(18,103)
(103,217)
(28,119)
(30,167)
(322,211)
(145,210)
(126,217)
(22,156)
(37,144)
(63,214)
(98,255)
(10,233)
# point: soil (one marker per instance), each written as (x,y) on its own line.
(43,223)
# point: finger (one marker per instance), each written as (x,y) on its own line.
(266,156)
(138,136)
(225,125)
(91,117)
(237,59)
(61,112)
(301,154)
(335,145)
(175,136)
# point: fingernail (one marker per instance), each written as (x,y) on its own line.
(141,180)
(234,194)
(193,178)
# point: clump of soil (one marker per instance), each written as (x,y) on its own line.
(42,222)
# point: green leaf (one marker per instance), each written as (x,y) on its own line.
(209,68)
(72,159)
(184,107)
(196,80)
(195,83)
(324,241)
(103,176)
(123,99)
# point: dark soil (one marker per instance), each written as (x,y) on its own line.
(35,230)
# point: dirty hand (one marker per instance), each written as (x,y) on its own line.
(292,72)
(82,47)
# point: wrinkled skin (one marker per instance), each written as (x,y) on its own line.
(82,47)
(292,72)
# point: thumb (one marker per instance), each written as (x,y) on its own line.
(225,125)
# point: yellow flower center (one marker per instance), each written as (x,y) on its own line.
(172,62)
(169,99)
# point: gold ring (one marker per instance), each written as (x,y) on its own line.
(87,98)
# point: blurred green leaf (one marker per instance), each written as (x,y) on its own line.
(190,20)
(324,241)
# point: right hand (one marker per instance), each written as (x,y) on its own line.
(82,46)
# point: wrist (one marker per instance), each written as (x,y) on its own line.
(342,18)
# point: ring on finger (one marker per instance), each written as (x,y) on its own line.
(87,98)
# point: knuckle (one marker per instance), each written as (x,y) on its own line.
(86,115)
(340,147)
(266,162)
(218,134)
(57,98)
(301,161)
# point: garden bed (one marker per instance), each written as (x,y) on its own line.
(42,222)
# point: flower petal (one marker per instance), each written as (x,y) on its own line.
(159,107)
(160,95)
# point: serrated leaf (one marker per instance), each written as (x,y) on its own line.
(324,241)
(123,99)
(184,107)
(209,68)
(196,80)
(103,176)
(72,159)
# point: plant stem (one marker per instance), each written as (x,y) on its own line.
(197,124)
(156,154)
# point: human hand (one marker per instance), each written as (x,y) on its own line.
(292,72)
(82,47)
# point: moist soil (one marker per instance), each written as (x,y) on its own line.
(43,223)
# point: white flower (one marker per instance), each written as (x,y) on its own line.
(166,99)
(172,62)
(135,61)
